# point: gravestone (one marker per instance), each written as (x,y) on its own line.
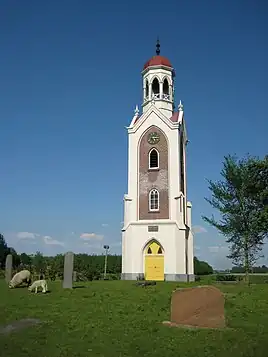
(8,272)
(201,306)
(74,276)
(68,270)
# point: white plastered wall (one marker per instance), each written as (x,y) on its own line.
(171,234)
(170,237)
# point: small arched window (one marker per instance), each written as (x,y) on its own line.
(156,88)
(154,200)
(149,251)
(159,251)
(166,89)
(146,90)
(153,159)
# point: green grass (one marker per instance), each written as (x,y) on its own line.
(116,318)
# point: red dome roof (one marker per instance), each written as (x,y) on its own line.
(157,61)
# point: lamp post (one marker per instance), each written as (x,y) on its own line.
(106,247)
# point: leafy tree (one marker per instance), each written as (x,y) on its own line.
(39,262)
(201,267)
(25,259)
(241,198)
(3,251)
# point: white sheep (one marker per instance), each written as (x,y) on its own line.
(19,278)
(38,283)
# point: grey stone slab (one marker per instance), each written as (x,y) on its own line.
(8,270)
(68,270)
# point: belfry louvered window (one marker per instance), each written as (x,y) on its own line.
(153,159)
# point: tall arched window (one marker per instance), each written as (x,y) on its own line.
(154,200)
(156,88)
(153,159)
(166,90)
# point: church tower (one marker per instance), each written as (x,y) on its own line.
(157,238)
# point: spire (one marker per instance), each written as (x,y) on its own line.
(135,117)
(180,107)
(157,47)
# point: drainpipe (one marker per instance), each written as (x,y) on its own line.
(186,252)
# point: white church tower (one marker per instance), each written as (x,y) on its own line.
(157,238)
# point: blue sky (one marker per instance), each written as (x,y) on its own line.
(70,79)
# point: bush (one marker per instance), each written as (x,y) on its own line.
(96,276)
(84,276)
(228,277)
(112,277)
(52,275)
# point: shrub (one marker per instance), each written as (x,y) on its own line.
(96,276)
(228,277)
(52,275)
(112,277)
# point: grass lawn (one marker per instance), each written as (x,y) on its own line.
(116,318)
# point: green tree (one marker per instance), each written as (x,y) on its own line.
(241,198)
(25,259)
(39,262)
(3,250)
(201,267)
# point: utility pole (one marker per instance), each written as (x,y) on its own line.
(106,247)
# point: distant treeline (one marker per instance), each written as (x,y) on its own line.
(259,269)
(87,266)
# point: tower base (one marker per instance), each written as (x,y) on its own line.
(168,277)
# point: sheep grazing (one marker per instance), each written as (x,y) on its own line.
(38,284)
(24,276)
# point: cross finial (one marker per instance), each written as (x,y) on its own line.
(157,47)
(180,106)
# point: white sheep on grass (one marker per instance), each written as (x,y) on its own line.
(38,284)
(24,276)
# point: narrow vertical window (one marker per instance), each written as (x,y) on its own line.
(153,159)
(166,90)
(154,200)
(146,90)
(156,89)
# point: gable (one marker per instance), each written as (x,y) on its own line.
(152,116)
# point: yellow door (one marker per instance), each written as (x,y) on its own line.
(154,262)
